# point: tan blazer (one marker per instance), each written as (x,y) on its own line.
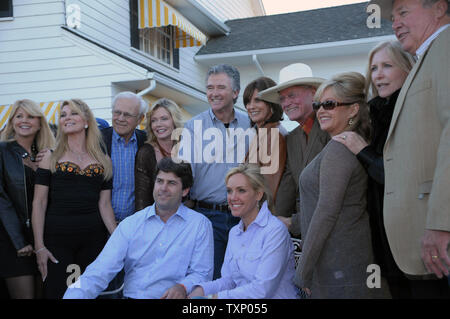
(417,158)
(277,161)
(299,154)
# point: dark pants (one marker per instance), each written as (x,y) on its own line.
(77,249)
(430,289)
(222,222)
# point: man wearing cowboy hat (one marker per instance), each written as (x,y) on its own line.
(295,93)
(417,149)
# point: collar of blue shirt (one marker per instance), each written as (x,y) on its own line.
(235,119)
(181,212)
(119,138)
(261,219)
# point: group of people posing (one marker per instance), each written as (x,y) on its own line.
(363,180)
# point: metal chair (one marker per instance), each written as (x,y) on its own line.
(297,249)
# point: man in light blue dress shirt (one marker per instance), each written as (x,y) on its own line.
(219,139)
(164,248)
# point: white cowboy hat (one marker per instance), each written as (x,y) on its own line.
(291,75)
(385,6)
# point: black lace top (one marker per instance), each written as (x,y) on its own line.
(73,198)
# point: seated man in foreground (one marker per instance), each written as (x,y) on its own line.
(164,248)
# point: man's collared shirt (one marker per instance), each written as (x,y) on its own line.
(307,126)
(423,48)
(122,156)
(155,255)
(259,262)
(209,172)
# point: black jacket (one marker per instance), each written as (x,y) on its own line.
(14,213)
(141,137)
(371,157)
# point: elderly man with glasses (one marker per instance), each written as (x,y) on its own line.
(123,141)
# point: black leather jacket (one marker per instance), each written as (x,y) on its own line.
(13,198)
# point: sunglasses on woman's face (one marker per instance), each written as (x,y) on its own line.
(328,105)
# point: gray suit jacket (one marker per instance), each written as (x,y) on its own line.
(300,153)
(417,158)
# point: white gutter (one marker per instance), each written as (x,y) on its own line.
(151,87)
(258,65)
(177,86)
(315,46)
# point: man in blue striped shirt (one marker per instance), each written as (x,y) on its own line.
(123,141)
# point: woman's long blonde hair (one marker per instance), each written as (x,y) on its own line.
(94,142)
(171,107)
(44,137)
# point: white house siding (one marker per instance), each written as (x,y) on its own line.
(42,62)
(27,46)
(107,22)
(230,9)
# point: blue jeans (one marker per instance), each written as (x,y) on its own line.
(222,223)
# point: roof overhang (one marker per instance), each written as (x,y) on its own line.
(200,17)
(192,101)
(283,54)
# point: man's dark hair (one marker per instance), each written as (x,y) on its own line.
(182,170)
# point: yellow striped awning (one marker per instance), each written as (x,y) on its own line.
(157,13)
(50,109)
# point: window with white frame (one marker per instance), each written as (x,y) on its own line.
(6,9)
(158,42)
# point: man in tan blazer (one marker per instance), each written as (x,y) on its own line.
(417,150)
(295,93)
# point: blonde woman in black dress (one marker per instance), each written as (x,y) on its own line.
(72,204)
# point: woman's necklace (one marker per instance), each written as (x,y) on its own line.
(79,156)
(164,152)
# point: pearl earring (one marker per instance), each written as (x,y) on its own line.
(86,126)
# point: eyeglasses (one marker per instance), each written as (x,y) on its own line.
(329,105)
(126,115)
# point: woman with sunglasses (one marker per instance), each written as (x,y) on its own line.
(337,248)
(387,70)
(25,134)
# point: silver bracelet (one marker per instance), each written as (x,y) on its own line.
(40,249)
